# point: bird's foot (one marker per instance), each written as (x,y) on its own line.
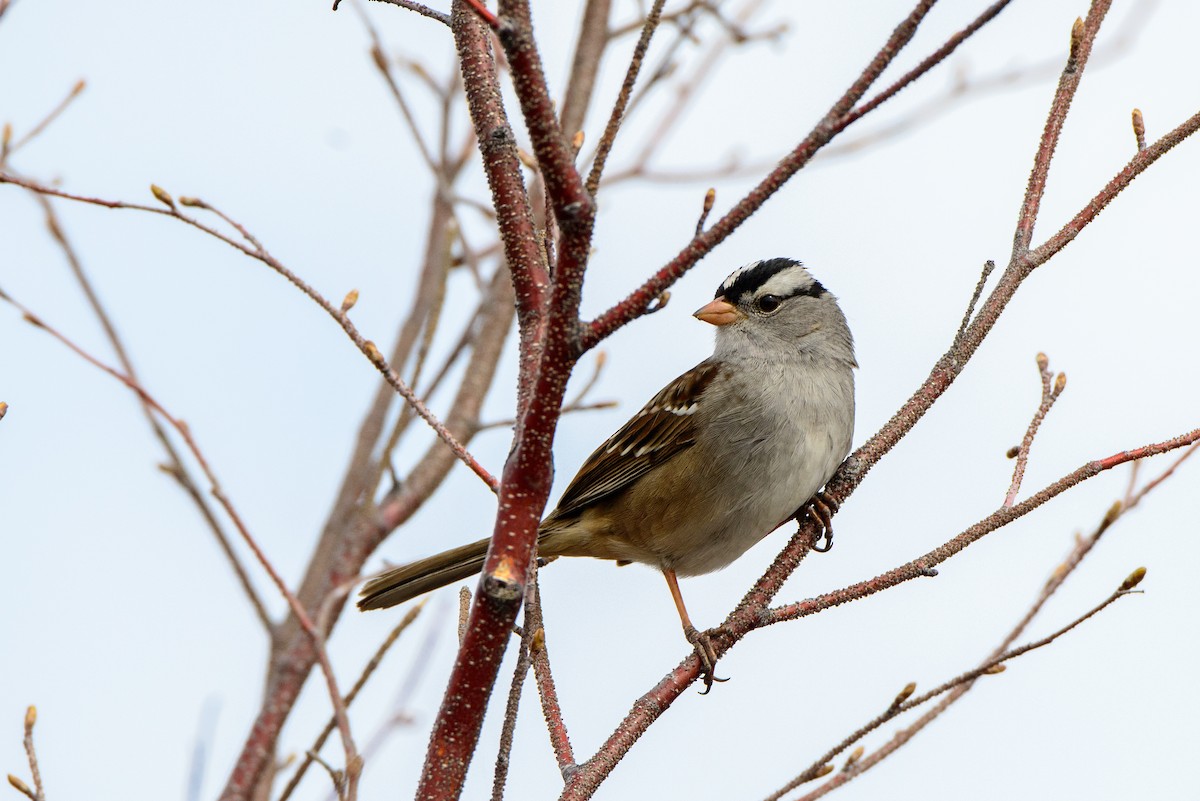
(706,652)
(821,508)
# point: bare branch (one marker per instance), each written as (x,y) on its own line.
(367,347)
(420,8)
(1051,388)
(618,110)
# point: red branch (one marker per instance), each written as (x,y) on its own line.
(747,617)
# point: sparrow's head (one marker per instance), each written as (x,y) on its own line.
(773,301)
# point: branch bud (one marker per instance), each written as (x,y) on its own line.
(194,202)
(163,196)
(824,770)
(994,669)
(1013,452)
(1139,129)
(30,717)
(1076,41)
(1112,514)
(1134,579)
(537,643)
(855,755)
(79,86)
(1060,383)
(6,137)
(379,58)
(373,353)
(349,301)
(577,141)
(710,197)
(3,409)
(1043,362)
(904,694)
(21,787)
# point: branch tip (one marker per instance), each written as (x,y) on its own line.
(21,787)
(163,196)
(1012,452)
(31,712)
(3,409)
(904,694)
(349,301)
(855,755)
(1139,129)
(1076,42)
(1134,579)
(994,669)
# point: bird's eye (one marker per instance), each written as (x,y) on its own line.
(768,303)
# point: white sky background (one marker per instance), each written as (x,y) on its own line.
(122,622)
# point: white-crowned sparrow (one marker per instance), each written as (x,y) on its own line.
(722,456)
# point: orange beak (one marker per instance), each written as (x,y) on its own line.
(718,312)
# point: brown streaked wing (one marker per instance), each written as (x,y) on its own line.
(664,427)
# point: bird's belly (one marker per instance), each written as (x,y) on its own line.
(729,507)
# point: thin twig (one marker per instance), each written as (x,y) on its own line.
(988,266)
(353,763)
(508,727)
(174,466)
(368,669)
(618,111)
(547,691)
(50,117)
(365,346)
(39,793)
(420,8)
(895,710)
(1050,393)
(1082,548)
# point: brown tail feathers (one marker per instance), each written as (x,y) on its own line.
(408,581)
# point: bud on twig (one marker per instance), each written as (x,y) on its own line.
(904,694)
(824,770)
(349,301)
(1043,362)
(537,643)
(1060,383)
(1076,41)
(21,787)
(1139,129)
(994,669)
(79,86)
(3,409)
(1012,452)
(30,717)
(577,141)
(1134,579)
(194,202)
(379,58)
(163,196)
(710,197)
(855,755)
(373,353)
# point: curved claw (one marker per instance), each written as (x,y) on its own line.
(822,508)
(706,653)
